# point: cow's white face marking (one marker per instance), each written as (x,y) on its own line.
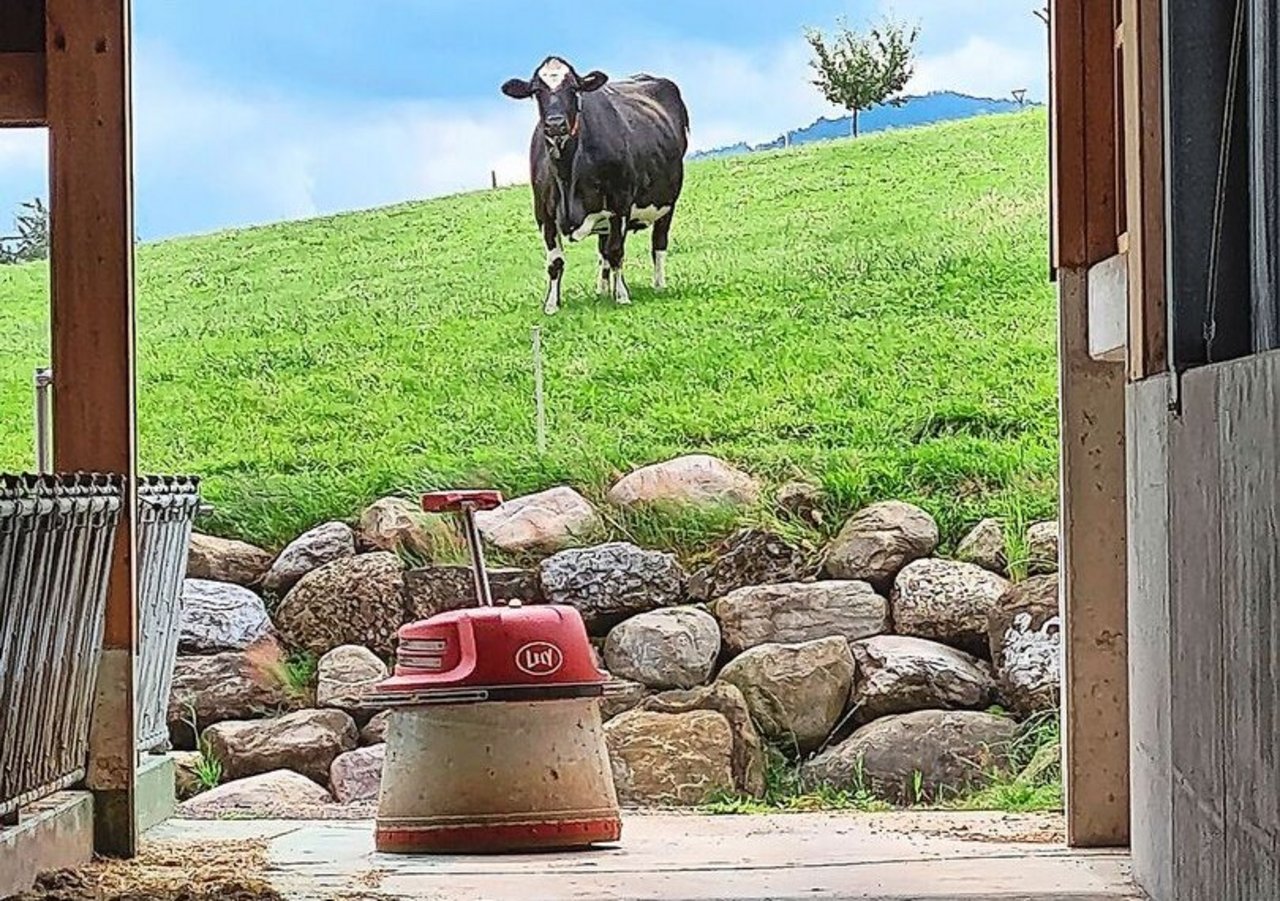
(659,269)
(595,223)
(553,73)
(649,214)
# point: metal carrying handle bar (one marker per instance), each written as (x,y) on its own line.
(466,503)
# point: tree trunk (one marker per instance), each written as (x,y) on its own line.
(853,124)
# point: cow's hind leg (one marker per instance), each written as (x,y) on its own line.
(615,254)
(661,236)
(555,269)
(602,283)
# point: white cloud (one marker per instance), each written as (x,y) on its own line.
(984,68)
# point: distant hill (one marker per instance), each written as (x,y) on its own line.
(926,109)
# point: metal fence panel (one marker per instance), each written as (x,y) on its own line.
(167,509)
(57,537)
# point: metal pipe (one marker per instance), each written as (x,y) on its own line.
(44,449)
(483,595)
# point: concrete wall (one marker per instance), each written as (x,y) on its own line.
(1204,637)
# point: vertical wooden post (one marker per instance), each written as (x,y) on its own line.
(91,283)
(1093,511)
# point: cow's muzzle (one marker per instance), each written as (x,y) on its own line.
(556,126)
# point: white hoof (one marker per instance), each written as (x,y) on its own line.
(622,296)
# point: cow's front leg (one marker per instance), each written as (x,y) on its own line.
(603,286)
(555,269)
(615,254)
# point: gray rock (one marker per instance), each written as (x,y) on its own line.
(672,648)
(355,600)
(357,775)
(916,757)
(219,616)
(1028,667)
(610,582)
(680,759)
(798,612)
(375,731)
(345,676)
(748,557)
(227,686)
(985,547)
(540,523)
(310,551)
(306,741)
(444,587)
(400,526)
(624,695)
(224,560)
(899,674)
(946,601)
(1042,548)
(696,480)
(1037,596)
(258,796)
(878,541)
(796,693)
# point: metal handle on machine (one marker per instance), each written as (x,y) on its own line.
(466,503)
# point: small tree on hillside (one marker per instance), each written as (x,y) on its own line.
(857,71)
(32,239)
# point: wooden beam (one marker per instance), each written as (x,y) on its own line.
(91,284)
(1144,164)
(22,89)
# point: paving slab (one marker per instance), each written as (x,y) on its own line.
(674,857)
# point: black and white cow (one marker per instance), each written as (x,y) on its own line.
(607,158)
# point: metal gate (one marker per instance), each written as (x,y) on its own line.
(167,508)
(57,537)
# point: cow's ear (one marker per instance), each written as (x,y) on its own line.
(592,81)
(518,89)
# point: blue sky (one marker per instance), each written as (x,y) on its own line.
(251,111)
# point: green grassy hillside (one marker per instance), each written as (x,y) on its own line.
(873,314)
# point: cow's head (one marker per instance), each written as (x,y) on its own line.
(558,89)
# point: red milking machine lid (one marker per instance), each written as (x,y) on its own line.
(539,652)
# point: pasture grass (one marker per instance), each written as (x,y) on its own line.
(874,314)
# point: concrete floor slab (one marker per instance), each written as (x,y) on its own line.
(892,857)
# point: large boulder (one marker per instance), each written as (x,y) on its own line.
(399,526)
(220,616)
(445,587)
(680,759)
(355,600)
(800,611)
(186,774)
(1028,666)
(345,676)
(915,757)
(1042,548)
(540,523)
(796,693)
(878,541)
(946,601)
(223,560)
(227,686)
(673,648)
(801,501)
(899,674)
(309,551)
(305,741)
(747,557)
(258,796)
(985,546)
(1037,596)
(748,760)
(696,480)
(610,582)
(357,775)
